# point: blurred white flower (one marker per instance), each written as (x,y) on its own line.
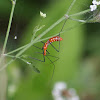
(42,14)
(11,90)
(93,7)
(60,86)
(60,92)
(73,94)
(57,91)
(94,2)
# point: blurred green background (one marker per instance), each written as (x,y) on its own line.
(79,63)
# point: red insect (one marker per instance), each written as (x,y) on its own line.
(53,39)
(45,51)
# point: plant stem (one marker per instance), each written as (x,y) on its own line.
(74,26)
(6,64)
(80,13)
(9,26)
(71,6)
(17,49)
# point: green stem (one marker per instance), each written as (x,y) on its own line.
(71,6)
(9,26)
(80,13)
(74,26)
(78,20)
(6,64)
(17,49)
(11,56)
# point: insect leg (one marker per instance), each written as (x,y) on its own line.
(54,47)
(54,57)
(61,30)
(39,59)
(38,47)
(53,68)
(41,49)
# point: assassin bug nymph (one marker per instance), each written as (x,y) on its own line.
(45,52)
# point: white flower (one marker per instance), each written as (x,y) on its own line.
(93,7)
(28,63)
(94,2)
(60,92)
(57,91)
(98,3)
(42,14)
(15,37)
(60,86)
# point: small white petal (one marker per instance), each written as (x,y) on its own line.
(42,14)
(93,7)
(15,37)
(13,2)
(28,63)
(99,2)
(60,86)
(94,2)
(56,93)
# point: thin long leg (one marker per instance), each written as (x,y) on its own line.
(60,32)
(54,57)
(38,59)
(41,48)
(46,56)
(54,47)
(59,36)
(53,68)
(42,42)
(38,47)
